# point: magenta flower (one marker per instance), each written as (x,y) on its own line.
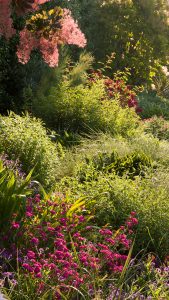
(31,254)
(35,241)
(15,225)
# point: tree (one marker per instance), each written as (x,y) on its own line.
(137,31)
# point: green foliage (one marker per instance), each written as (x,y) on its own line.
(136,31)
(159,127)
(117,195)
(132,165)
(15,78)
(83,109)
(26,139)
(76,73)
(11,77)
(12,194)
(153,105)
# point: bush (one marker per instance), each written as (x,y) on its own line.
(116,87)
(81,109)
(26,139)
(153,105)
(159,127)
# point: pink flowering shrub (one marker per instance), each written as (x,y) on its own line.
(57,246)
(61,29)
(45,30)
(20,7)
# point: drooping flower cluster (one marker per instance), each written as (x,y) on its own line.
(20,7)
(46,30)
(13,165)
(70,33)
(63,31)
(57,248)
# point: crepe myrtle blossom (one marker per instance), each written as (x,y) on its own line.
(62,29)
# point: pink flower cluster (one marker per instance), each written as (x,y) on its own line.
(6,6)
(66,33)
(64,251)
(6,23)
(70,32)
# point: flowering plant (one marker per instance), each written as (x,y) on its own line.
(44,30)
(117,89)
(60,250)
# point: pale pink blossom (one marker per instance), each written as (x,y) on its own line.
(49,52)
(6,24)
(70,32)
(27,43)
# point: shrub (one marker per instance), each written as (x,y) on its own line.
(158,126)
(115,195)
(81,109)
(26,139)
(117,89)
(132,165)
(153,105)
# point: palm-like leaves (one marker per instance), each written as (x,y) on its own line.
(12,194)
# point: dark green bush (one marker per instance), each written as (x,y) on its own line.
(133,164)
